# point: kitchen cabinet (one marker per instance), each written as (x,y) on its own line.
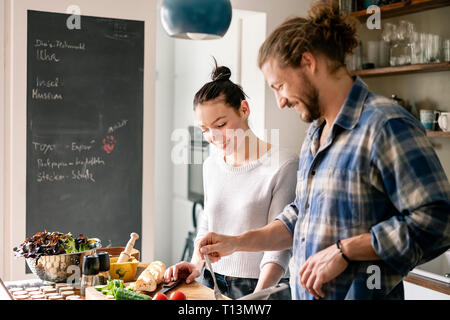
(394,78)
(415,291)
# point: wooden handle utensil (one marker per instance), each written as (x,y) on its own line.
(126,254)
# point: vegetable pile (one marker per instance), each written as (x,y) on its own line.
(111,286)
(46,244)
(116,288)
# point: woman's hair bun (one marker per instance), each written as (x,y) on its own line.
(221,74)
(220,87)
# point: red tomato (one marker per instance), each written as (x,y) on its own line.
(160,296)
(177,295)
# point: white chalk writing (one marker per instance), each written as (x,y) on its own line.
(43,147)
(118,125)
(53,83)
(38,95)
(46,56)
(60,44)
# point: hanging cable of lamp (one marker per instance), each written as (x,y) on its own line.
(196,19)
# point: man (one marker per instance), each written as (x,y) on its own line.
(372,198)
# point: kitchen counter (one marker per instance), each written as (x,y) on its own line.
(431,275)
(193,291)
(197,291)
(428,283)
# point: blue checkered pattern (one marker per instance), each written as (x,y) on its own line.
(377,172)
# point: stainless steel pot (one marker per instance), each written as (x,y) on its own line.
(56,268)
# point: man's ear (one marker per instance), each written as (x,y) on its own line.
(309,61)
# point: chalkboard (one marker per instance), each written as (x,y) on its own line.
(84,126)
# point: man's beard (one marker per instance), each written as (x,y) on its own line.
(310,100)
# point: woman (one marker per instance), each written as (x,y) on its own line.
(247,183)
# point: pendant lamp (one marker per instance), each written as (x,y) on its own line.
(196,19)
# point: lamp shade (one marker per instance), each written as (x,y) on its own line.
(196,19)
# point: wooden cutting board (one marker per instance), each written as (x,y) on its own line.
(193,291)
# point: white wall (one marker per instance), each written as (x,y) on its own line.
(253,23)
(164,114)
(193,65)
(15,114)
(2,126)
(292,129)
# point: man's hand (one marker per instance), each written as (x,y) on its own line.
(271,237)
(321,268)
(217,245)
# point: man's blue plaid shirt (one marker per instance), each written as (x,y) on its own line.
(376,172)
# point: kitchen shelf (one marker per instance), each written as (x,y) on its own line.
(438,134)
(402,8)
(412,68)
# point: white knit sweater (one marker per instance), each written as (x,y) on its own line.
(238,199)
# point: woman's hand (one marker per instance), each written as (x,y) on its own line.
(182,270)
(270,275)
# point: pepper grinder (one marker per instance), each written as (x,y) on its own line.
(90,270)
(104,274)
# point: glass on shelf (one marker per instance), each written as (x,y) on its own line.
(432,48)
(417,48)
(435,48)
(402,44)
(348,6)
(446,50)
(385,2)
(389,32)
(388,36)
(354,61)
(368,3)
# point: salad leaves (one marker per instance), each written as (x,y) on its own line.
(46,243)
